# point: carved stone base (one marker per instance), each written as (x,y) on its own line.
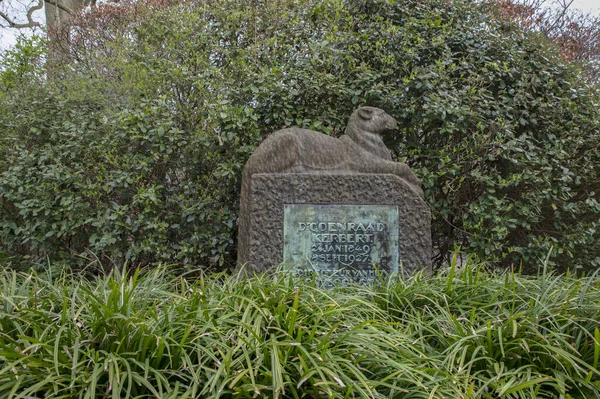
(261,233)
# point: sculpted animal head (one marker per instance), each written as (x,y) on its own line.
(366,126)
(370,120)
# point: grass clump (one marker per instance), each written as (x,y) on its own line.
(467,334)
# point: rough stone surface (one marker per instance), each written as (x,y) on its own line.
(261,240)
(298,166)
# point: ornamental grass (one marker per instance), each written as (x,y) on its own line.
(462,333)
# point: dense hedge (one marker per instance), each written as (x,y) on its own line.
(133,146)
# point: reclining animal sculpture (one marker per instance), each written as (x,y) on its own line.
(280,172)
(360,150)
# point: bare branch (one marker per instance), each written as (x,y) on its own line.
(559,21)
(30,22)
(576,33)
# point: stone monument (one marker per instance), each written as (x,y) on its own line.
(339,209)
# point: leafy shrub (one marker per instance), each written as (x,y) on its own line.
(123,188)
(501,130)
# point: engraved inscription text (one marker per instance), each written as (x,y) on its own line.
(340,244)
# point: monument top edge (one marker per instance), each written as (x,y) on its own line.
(328,173)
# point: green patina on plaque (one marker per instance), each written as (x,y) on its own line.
(340,243)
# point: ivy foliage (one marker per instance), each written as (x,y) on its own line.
(133,147)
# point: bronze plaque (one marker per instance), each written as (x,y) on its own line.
(340,244)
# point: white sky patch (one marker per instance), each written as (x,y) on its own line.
(588,6)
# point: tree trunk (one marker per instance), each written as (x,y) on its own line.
(59,12)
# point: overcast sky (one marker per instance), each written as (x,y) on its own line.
(589,6)
(7,36)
